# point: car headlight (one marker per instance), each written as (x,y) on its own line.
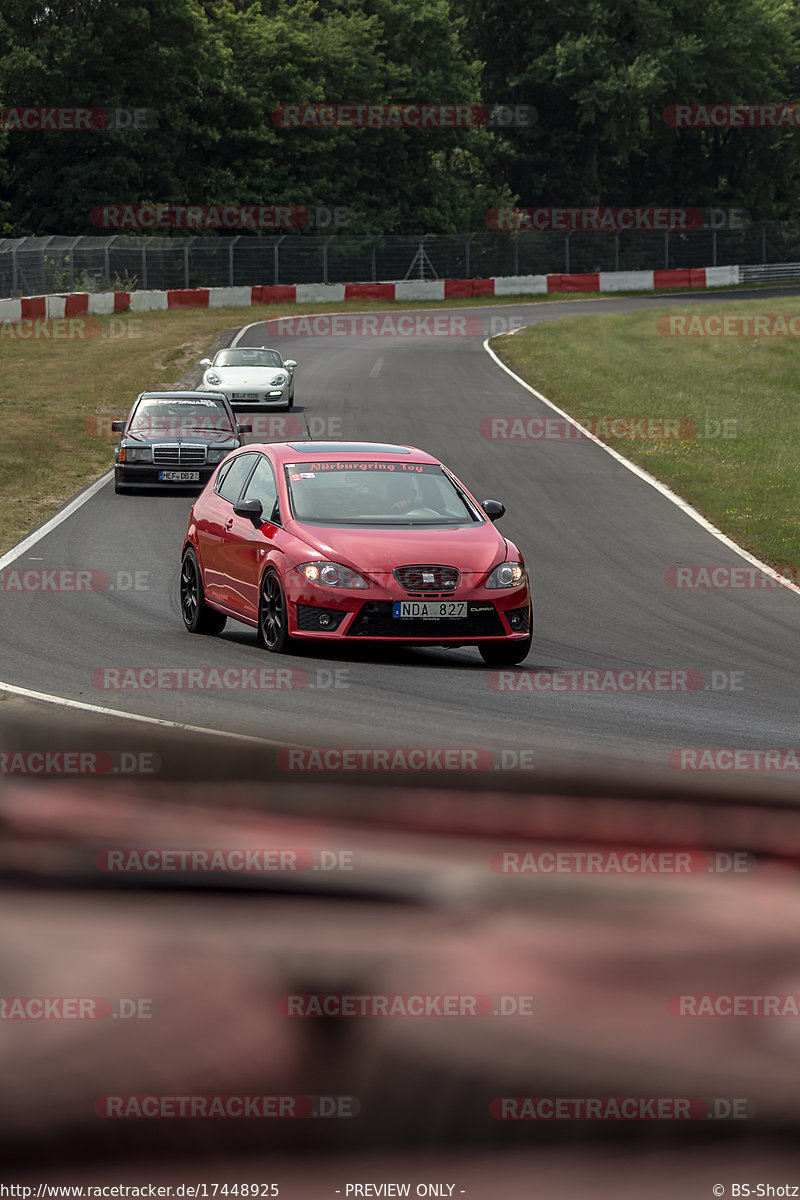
(508,574)
(278,381)
(213,378)
(133,454)
(217,453)
(331,574)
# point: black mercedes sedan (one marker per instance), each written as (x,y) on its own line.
(174,438)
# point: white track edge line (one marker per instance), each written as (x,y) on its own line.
(673,497)
(27,694)
(32,538)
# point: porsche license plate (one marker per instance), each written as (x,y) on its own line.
(244,396)
(429,610)
(179,476)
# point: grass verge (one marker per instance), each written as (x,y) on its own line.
(740,466)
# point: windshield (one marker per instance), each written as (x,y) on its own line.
(166,417)
(342,492)
(248,358)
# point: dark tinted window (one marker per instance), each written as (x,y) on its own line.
(262,486)
(230,485)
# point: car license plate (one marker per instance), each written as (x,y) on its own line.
(244,395)
(429,610)
(179,476)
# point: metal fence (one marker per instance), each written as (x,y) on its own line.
(39,265)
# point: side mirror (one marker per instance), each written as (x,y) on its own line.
(251,509)
(118,426)
(244,428)
(205,362)
(291,363)
(493,509)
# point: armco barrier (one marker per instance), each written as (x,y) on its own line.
(75,304)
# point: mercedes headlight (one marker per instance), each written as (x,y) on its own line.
(217,453)
(331,574)
(507,575)
(137,454)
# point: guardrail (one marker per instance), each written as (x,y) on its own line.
(125,262)
(770,273)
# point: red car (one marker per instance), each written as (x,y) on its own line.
(337,541)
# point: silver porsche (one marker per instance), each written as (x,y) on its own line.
(250,376)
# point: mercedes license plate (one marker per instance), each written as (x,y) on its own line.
(179,476)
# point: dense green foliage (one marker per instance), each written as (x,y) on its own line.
(599,72)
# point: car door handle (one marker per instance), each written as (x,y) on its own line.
(229,523)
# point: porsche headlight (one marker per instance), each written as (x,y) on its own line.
(278,381)
(507,575)
(331,574)
(213,378)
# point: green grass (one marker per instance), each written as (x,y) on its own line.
(597,367)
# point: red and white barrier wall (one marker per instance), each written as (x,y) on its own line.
(78,304)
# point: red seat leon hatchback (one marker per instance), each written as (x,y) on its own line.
(360,541)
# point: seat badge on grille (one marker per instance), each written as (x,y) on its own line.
(428,577)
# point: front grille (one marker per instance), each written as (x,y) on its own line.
(172,455)
(375,620)
(427,578)
(308,618)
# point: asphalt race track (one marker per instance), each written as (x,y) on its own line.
(597,538)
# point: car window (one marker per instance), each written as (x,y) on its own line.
(229,485)
(262,486)
(355,492)
(248,358)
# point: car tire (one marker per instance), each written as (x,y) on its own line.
(198,617)
(508,654)
(273,614)
(291,402)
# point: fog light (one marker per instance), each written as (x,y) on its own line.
(324,620)
(516,620)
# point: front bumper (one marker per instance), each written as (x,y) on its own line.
(367,615)
(259,397)
(146,475)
